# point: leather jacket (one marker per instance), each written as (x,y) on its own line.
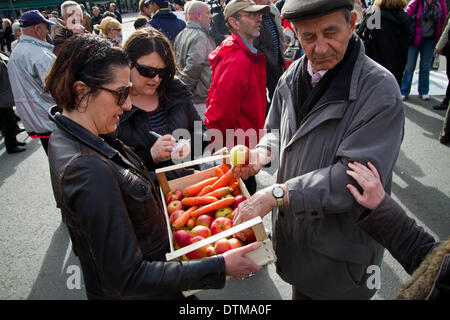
(116,221)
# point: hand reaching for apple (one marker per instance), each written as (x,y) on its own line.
(162,148)
(237,265)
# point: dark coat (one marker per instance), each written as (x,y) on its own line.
(389,44)
(179,113)
(219,28)
(168,23)
(115,219)
(6,95)
(420,255)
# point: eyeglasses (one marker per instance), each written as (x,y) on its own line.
(121,94)
(150,72)
(251,15)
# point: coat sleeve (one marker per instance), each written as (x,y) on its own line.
(389,225)
(373,134)
(113,243)
(443,40)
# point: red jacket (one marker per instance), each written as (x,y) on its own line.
(237,96)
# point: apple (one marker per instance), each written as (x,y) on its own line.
(173,195)
(238,199)
(201,231)
(182,238)
(222,246)
(199,253)
(210,251)
(204,220)
(221,224)
(235,243)
(224,212)
(248,234)
(175,215)
(174,206)
(240,156)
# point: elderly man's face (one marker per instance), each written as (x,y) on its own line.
(74,19)
(325,39)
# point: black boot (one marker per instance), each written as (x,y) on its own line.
(441,106)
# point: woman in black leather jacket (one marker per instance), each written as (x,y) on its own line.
(108,200)
(161,103)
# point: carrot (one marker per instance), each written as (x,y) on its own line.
(195,201)
(234,185)
(219,193)
(236,192)
(223,181)
(194,189)
(205,190)
(225,168)
(213,206)
(183,218)
(218,172)
(191,223)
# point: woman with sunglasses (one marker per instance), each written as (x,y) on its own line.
(107,198)
(160,102)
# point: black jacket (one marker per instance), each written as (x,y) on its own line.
(389,44)
(219,28)
(179,113)
(115,219)
(419,254)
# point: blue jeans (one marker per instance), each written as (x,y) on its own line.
(426,50)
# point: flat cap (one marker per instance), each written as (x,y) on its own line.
(294,10)
(243,5)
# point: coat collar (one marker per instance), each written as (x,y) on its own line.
(81,134)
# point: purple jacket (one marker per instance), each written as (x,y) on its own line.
(411,9)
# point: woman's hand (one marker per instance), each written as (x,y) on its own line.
(237,265)
(162,148)
(370,182)
(184,151)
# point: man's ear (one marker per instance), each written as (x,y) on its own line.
(353,22)
(233,22)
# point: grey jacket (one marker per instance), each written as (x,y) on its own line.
(192,47)
(28,66)
(319,248)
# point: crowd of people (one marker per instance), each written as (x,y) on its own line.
(106,110)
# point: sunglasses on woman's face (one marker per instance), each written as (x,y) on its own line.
(121,94)
(150,72)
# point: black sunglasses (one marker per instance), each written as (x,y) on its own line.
(121,94)
(150,72)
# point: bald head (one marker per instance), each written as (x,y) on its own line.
(199,12)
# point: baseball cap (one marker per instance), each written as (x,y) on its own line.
(147,1)
(32,18)
(243,5)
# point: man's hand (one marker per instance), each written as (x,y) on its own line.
(370,182)
(260,204)
(259,157)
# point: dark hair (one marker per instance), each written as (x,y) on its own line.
(146,41)
(87,58)
(140,22)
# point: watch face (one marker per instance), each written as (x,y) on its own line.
(278,192)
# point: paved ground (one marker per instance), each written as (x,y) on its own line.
(36,261)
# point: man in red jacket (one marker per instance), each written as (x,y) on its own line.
(236,104)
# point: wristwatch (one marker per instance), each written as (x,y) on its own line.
(278,193)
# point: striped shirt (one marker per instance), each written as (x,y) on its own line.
(157,121)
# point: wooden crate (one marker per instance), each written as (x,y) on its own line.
(262,256)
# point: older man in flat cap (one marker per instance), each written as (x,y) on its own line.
(331,107)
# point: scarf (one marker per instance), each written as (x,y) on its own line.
(431,11)
(308,96)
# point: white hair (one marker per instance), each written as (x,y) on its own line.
(66,4)
(193,6)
